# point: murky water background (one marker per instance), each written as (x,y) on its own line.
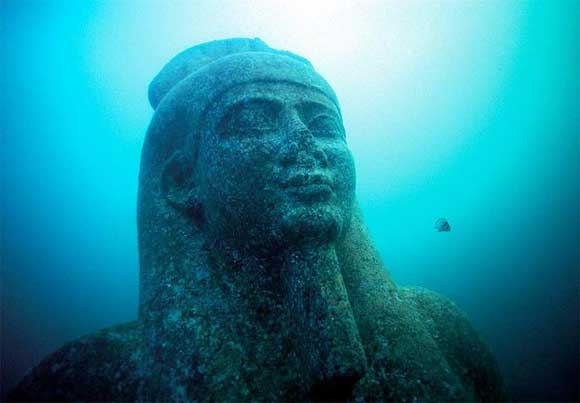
(462,110)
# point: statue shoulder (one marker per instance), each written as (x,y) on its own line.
(462,346)
(99,367)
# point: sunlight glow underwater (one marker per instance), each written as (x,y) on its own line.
(462,110)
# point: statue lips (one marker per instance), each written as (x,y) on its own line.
(310,186)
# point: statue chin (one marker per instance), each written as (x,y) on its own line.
(305,225)
(288,224)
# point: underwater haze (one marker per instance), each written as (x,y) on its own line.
(461,111)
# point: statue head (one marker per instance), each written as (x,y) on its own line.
(246,148)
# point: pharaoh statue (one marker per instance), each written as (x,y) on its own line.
(258,280)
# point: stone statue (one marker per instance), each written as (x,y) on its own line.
(258,279)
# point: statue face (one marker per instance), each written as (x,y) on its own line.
(274,166)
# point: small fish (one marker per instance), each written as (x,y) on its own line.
(442,225)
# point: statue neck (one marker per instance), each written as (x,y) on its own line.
(324,330)
(285,311)
(301,289)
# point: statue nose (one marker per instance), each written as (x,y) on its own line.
(301,148)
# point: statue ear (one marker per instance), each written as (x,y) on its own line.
(178,186)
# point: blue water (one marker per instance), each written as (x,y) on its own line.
(464,110)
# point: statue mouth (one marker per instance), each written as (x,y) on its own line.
(312,185)
(308,178)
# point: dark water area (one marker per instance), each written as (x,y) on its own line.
(463,110)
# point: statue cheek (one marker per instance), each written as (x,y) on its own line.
(253,150)
(243,168)
(341,162)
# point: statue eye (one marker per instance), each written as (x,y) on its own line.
(325,126)
(252,118)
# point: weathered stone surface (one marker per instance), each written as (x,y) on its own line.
(258,279)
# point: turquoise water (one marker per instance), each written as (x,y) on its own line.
(463,110)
